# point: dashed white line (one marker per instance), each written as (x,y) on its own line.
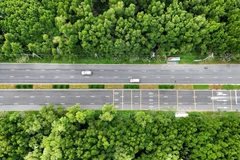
(1,96)
(158,77)
(115,70)
(92,103)
(165,96)
(62,96)
(172,70)
(43,70)
(56,76)
(129,70)
(165,103)
(129,76)
(144,70)
(186,70)
(11,76)
(116,99)
(200,77)
(101,70)
(77,96)
(57,70)
(172,77)
(101,77)
(12,69)
(15,103)
(62,103)
(77,103)
(186,77)
(136,96)
(229,70)
(179,96)
(144,76)
(179,103)
(107,96)
(135,103)
(31,103)
(72,70)
(115,77)
(16,96)
(41,76)
(47,103)
(27,70)
(47,96)
(150,100)
(32,96)
(209,103)
(92,96)
(215,77)
(26,76)
(71,76)
(229,77)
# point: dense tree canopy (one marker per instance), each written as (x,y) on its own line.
(54,133)
(122,29)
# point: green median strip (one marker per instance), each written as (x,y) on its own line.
(24,86)
(131,86)
(165,86)
(60,86)
(200,86)
(96,86)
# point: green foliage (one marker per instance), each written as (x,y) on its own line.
(24,86)
(131,86)
(96,86)
(118,30)
(60,86)
(230,87)
(200,87)
(165,86)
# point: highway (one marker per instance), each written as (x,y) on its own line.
(177,100)
(67,73)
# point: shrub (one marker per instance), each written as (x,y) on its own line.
(219,86)
(60,86)
(114,86)
(42,86)
(131,86)
(165,86)
(78,86)
(148,86)
(7,86)
(96,86)
(200,87)
(24,86)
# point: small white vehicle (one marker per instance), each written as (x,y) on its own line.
(135,80)
(86,73)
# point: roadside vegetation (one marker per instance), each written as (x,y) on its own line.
(56,133)
(118,31)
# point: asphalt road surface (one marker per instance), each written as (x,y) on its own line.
(66,73)
(184,100)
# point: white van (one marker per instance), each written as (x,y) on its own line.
(135,80)
(86,73)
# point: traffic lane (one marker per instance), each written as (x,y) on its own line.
(136,100)
(235,100)
(168,100)
(185,100)
(127,99)
(222,100)
(204,100)
(149,99)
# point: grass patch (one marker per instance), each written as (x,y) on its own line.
(215,86)
(188,86)
(96,86)
(200,86)
(7,86)
(231,87)
(78,86)
(165,86)
(114,86)
(131,86)
(60,86)
(24,86)
(42,86)
(148,86)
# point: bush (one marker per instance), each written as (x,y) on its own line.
(7,86)
(148,86)
(96,86)
(165,86)
(219,86)
(200,86)
(114,86)
(60,86)
(131,86)
(183,86)
(24,86)
(42,86)
(78,86)
(230,87)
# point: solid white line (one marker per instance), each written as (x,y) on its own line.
(62,96)
(236,96)
(16,96)
(32,96)
(77,96)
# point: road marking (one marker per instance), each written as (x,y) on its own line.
(31,103)
(186,77)
(158,70)
(116,93)
(158,77)
(77,96)
(100,76)
(165,103)
(72,70)
(92,103)
(92,96)
(209,103)
(1,96)
(41,76)
(236,96)
(150,93)
(77,103)
(26,76)
(129,76)
(16,96)
(62,96)
(150,100)
(150,103)
(11,76)
(212,101)
(0,103)
(47,96)
(57,70)
(32,96)
(101,70)
(165,96)
(62,103)
(86,76)
(194,99)
(144,76)
(215,77)
(47,103)
(12,69)
(27,70)
(56,76)
(71,76)
(186,70)
(136,103)
(15,103)
(172,77)
(229,77)
(224,100)
(116,99)
(172,70)
(122,98)
(115,70)
(229,70)
(214,70)
(150,96)
(158,99)
(179,103)
(136,96)
(131,99)
(107,96)
(115,77)
(200,77)
(43,70)
(144,70)
(179,96)
(201,70)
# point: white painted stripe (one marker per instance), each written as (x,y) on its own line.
(11,76)
(12,69)
(179,96)
(31,103)
(186,77)
(16,96)
(165,103)
(47,103)
(56,76)
(71,76)
(215,77)
(165,96)
(57,70)
(77,103)
(62,103)
(47,96)
(158,77)
(172,77)
(209,103)
(32,96)
(1,96)
(200,77)
(27,70)
(144,76)
(115,70)
(172,70)
(129,76)
(77,96)
(229,77)
(26,76)
(92,96)
(144,70)
(15,103)
(41,76)
(0,103)
(62,96)
(92,103)
(101,77)
(107,96)
(101,70)
(179,103)
(115,77)
(42,69)
(135,103)
(236,96)
(72,70)
(136,96)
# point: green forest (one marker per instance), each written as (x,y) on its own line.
(54,133)
(118,29)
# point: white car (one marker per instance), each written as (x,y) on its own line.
(135,80)
(86,73)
